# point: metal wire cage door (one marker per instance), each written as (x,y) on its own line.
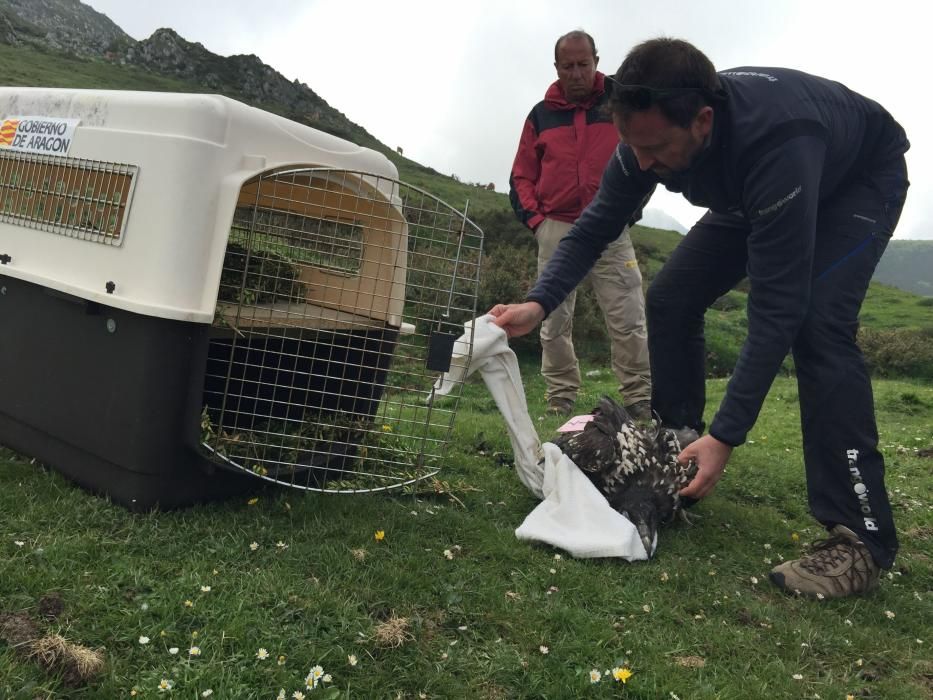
(340,299)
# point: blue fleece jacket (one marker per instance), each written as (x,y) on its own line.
(782,142)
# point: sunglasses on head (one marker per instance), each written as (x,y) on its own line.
(643,96)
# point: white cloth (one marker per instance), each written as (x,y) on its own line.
(576,517)
(496,361)
(573,514)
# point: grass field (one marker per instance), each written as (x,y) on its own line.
(450,605)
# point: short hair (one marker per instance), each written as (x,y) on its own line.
(575,34)
(667,63)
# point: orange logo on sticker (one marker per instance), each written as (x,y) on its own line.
(8,131)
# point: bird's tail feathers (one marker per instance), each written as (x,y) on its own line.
(609,416)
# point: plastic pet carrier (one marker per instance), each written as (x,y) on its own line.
(195,294)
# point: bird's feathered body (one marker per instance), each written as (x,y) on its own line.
(634,466)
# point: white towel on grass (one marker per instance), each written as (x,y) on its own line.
(573,515)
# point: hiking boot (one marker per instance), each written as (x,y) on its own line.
(640,411)
(557,406)
(837,567)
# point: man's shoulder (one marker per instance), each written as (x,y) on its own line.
(544,116)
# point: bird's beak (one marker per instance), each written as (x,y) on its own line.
(649,537)
(646,533)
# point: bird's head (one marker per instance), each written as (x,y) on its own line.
(640,506)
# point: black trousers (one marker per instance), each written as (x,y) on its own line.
(844,469)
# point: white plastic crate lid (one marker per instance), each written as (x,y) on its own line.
(193,153)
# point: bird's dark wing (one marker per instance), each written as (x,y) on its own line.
(593,448)
(663,476)
(609,449)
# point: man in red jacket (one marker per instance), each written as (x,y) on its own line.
(566,142)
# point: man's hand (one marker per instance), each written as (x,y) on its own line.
(711,456)
(518,319)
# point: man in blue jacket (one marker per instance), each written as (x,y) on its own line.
(804,181)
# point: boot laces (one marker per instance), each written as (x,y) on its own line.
(829,553)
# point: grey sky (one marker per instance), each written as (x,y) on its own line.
(452,83)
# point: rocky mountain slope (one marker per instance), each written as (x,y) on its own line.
(62,25)
(71,27)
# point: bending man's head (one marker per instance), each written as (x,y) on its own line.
(670,73)
(661,102)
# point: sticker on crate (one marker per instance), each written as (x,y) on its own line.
(47,135)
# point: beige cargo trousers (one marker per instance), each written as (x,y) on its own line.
(616,281)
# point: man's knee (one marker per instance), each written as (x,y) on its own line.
(661,299)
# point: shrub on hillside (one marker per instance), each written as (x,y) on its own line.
(730,301)
(898,352)
(508,272)
(500,227)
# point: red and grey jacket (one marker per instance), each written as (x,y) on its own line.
(561,156)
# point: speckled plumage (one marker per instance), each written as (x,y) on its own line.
(634,466)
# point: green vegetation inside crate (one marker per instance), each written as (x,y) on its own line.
(323,243)
(259,277)
(323,449)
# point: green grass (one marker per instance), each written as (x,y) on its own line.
(887,308)
(29,67)
(476,622)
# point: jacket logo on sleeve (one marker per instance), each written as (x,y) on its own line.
(621,160)
(781,202)
(753,74)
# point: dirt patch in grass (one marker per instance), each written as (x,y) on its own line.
(17,629)
(77,665)
(392,632)
(51,606)
(491,691)
(690,661)
(921,532)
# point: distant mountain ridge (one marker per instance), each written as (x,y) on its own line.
(907,265)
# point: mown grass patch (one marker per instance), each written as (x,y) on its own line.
(304,577)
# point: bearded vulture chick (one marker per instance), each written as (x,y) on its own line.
(633,465)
